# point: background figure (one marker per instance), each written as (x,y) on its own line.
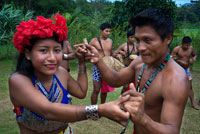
(104,45)
(185,55)
(128,52)
(39,88)
(68,55)
(162,85)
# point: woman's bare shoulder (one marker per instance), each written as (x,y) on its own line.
(17,77)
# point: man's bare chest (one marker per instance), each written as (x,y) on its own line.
(184,54)
(153,94)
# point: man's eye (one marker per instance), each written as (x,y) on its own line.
(148,41)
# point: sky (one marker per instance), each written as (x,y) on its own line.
(181,2)
(178,2)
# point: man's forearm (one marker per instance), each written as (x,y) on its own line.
(108,75)
(151,126)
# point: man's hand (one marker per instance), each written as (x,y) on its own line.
(93,56)
(122,52)
(112,110)
(135,106)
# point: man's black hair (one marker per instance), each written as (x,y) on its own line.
(158,19)
(130,33)
(186,39)
(105,25)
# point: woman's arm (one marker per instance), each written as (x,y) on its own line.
(23,93)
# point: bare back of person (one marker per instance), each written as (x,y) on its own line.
(157,97)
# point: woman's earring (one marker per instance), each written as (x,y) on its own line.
(27,58)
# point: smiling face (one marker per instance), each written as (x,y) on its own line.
(106,32)
(46,56)
(150,45)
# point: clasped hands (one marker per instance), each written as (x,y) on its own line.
(130,105)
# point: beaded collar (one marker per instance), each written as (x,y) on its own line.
(151,78)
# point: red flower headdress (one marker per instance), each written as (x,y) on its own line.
(42,28)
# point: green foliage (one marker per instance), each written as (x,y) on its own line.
(83,26)
(188,16)
(47,8)
(125,9)
(9,18)
(7,51)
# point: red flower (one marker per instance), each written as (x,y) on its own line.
(42,28)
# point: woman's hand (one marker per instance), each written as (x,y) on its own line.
(112,110)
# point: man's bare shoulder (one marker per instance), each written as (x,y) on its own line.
(177,48)
(110,40)
(175,81)
(137,63)
(191,48)
(122,46)
(93,42)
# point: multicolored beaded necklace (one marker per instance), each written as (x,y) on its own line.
(151,78)
(147,84)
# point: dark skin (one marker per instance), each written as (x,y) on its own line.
(161,109)
(108,50)
(185,56)
(122,50)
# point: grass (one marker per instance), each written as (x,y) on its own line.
(8,123)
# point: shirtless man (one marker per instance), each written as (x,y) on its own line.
(104,46)
(185,55)
(68,54)
(125,50)
(157,107)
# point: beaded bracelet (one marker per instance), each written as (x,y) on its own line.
(81,69)
(92,112)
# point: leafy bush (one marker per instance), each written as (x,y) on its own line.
(9,18)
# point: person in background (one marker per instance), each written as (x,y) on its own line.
(126,51)
(39,88)
(185,55)
(68,54)
(104,45)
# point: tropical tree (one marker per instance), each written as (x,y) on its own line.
(125,9)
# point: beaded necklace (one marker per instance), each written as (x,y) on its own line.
(147,84)
(151,78)
(53,94)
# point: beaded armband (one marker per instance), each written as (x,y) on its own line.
(92,112)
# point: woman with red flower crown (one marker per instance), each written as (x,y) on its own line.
(40,88)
